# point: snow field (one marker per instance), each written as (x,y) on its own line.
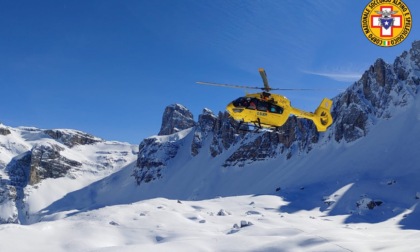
(160,225)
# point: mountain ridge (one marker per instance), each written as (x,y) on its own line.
(31,158)
(352,169)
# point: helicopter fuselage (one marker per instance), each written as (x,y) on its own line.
(272,111)
(266,110)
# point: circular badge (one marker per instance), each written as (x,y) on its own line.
(386,22)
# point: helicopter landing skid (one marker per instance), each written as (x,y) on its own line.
(245,127)
(255,127)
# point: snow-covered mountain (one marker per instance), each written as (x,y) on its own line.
(371,150)
(363,173)
(38,167)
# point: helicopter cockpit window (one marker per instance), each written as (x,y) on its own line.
(276,109)
(262,105)
(240,102)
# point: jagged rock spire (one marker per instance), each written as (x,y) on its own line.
(176,118)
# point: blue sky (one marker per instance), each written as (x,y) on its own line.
(110,68)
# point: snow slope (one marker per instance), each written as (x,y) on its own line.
(318,201)
(376,160)
(242,223)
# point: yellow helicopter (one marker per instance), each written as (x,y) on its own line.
(266,110)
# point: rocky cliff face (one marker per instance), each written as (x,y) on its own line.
(154,156)
(176,118)
(4,131)
(382,88)
(47,162)
(72,138)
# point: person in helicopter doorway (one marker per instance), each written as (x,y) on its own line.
(252,104)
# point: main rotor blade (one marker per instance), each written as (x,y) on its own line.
(308,89)
(297,89)
(227,85)
(264,78)
(259,88)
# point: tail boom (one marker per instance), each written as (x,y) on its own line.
(322,117)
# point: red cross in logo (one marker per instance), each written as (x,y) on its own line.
(376,22)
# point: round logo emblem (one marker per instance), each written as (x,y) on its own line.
(386,22)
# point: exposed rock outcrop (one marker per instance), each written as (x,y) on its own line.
(3,130)
(152,158)
(8,197)
(71,138)
(225,134)
(206,124)
(43,161)
(11,191)
(47,162)
(19,169)
(176,118)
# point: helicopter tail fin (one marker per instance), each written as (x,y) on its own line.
(323,117)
